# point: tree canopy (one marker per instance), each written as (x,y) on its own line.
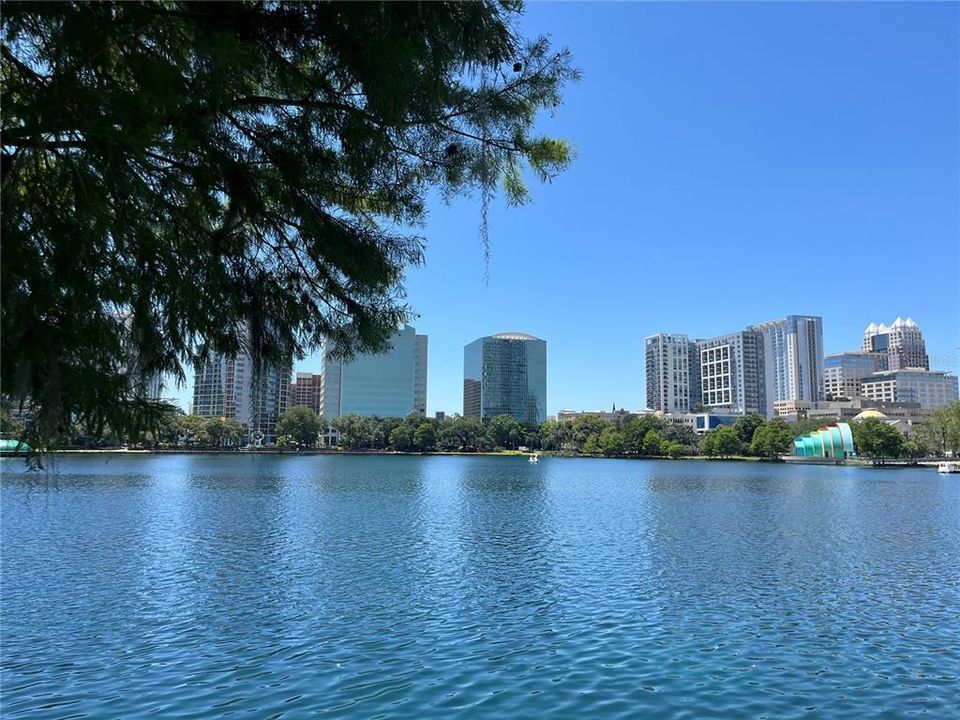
(185,177)
(876,439)
(772,438)
(723,441)
(301,424)
(940,432)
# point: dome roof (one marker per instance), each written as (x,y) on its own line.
(870,414)
(515,336)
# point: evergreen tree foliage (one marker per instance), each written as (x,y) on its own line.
(184,177)
(724,441)
(747,426)
(463,433)
(651,443)
(503,432)
(301,424)
(672,449)
(771,438)
(9,426)
(223,431)
(914,450)
(940,433)
(425,436)
(401,438)
(636,430)
(875,439)
(611,442)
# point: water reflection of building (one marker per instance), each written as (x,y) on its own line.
(506,374)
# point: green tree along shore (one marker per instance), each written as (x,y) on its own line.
(181,178)
(588,435)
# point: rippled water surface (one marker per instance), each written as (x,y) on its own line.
(411,587)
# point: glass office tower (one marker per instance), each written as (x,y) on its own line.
(844,373)
(506,374)
(793,359)
(391,384)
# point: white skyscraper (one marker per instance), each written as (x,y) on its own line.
(732,372)
(673,373)
(420,376)
(899,346)
(230,387)
(793,359)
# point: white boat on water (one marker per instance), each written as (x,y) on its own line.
(535,458)
(948,467)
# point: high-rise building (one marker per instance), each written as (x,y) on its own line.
(389,384)
(154,387)
(732,373)
(843,373)
(899,346)
(420,375)
(673,372)
(793,359)
(305,391)
(210,386)
(930,388)
(232,387)
(506,374)
(145,384)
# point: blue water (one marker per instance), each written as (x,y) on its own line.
(405,587)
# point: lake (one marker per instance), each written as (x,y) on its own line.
(481,587)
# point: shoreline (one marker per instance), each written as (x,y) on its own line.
(783,460)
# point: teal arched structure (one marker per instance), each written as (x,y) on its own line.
(11,445)
(834,442)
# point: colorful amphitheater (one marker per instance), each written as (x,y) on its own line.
(834,442)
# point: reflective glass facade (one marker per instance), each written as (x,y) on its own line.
(930,388)
(843,373)
(793,359)
(391,384)
(506,374)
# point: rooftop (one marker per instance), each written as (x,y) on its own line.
(515,336)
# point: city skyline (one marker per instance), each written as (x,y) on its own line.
(725,151)
(639,378)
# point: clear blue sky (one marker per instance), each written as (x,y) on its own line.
(738,162)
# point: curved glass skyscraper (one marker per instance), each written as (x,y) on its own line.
(506,374)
